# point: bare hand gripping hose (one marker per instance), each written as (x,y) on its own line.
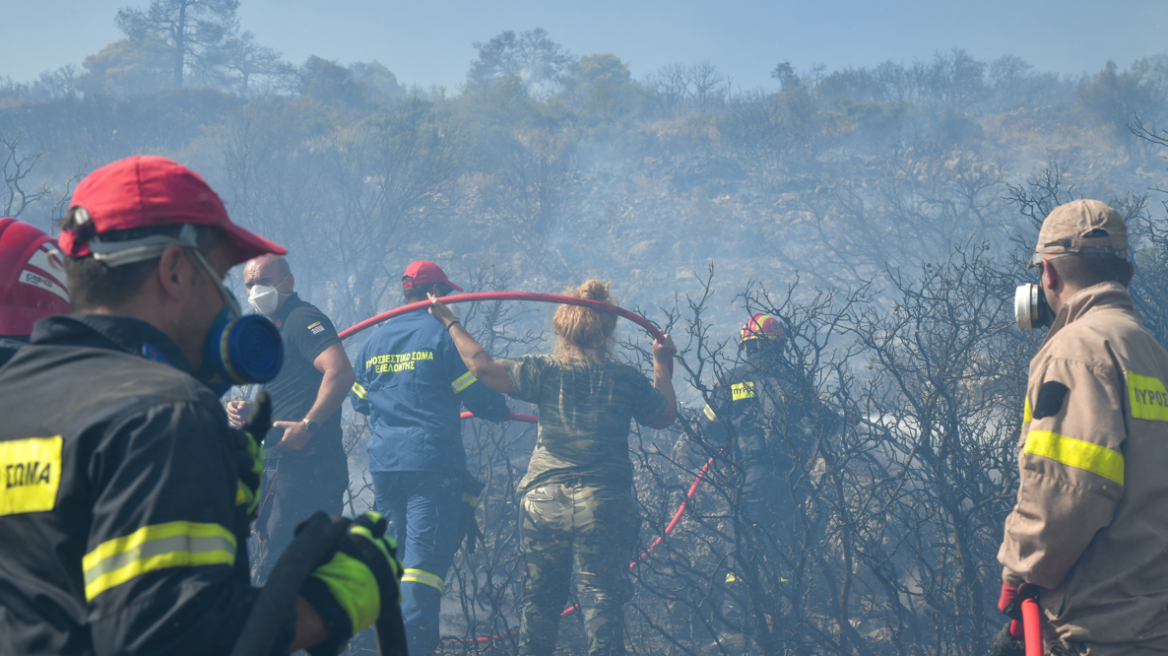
(561,300)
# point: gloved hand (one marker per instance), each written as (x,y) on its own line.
(251,469)
(356,584)
(1004,644)
(468,525)
(1010,603)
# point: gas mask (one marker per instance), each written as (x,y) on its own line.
(1031,309)
(239,349)
(265,299)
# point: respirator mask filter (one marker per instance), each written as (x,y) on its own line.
(1031,310)
(239,350)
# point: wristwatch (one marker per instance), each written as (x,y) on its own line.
(310,425)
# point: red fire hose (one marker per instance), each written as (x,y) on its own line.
(523,419)
(1032,627)
(509,296)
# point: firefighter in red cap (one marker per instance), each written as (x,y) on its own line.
(127,498)
(31,283)
(762,417)
(412,383)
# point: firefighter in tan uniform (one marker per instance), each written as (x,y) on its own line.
(1089,532)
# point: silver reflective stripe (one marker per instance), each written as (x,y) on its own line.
(151,548)
(462,382)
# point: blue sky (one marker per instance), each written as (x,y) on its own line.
(429,41)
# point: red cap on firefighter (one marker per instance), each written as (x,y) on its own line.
(425,272)
(147,191)
(762,326)
(31,278)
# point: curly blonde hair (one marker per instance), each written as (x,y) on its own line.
(584,332)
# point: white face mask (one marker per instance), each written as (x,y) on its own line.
(265,299)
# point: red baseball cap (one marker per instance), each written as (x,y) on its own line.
(425,272)
(147,191)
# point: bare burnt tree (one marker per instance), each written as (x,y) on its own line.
(950,371)
(670,88)
(387,181)
(17,167)
(21,194)
(535,174)
(1149,288)
(349,202)
(274,180)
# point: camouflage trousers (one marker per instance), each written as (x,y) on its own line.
(588,530)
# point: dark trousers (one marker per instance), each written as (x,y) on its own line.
(770,520)
(293,489)
(423,509)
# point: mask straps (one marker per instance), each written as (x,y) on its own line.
(228,298)
(275,286)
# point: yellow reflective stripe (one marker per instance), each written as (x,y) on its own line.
(245,496)
(1149,399)
(462,382)
(744,390)
(710,413)
(150,548)
(1027,417)
(360,392)
(470,499)
(421,576)
(1079,454)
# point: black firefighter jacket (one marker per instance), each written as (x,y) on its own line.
(121,530)
(754,405)
(758,410)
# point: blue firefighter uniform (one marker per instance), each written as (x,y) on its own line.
(412,384)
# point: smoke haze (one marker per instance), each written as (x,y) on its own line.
(873,176)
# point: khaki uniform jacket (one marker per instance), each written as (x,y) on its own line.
(1091,521)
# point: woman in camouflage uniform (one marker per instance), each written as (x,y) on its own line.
(579,514)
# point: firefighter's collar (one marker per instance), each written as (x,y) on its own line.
(122,333)
(1105,295)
